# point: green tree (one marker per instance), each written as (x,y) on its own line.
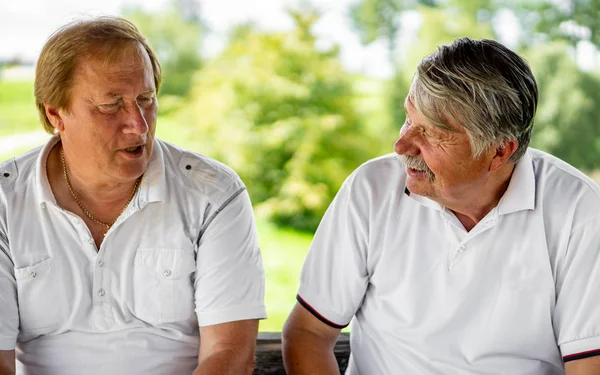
(566,123)
(570,21)
(438,26)
(280,112)
(176,39)
(376,19)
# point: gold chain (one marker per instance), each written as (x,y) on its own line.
(85,210)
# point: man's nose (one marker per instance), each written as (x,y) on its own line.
(135,122)
(405,145)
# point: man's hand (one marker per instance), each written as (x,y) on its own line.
(228,348)
(7,362)
(308,344)
(585,366)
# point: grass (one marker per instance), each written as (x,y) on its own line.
(18,113)
(283,252)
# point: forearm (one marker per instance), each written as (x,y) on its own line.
(225,363)
(307,354)
(7,362)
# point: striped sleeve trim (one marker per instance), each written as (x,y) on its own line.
(317,315)
(587,354)
(210,219)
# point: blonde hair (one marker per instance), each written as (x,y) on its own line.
(54,73)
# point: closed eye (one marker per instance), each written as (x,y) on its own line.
(145,101)
(110,108)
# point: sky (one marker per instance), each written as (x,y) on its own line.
(26,24)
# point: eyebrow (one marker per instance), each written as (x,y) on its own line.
(117,95)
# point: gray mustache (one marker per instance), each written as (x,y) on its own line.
(415,162)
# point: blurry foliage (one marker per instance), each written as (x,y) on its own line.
(280,113)
(568,112)
(374,19)
(438,26)
(569,20)
(567,118)
(176,39)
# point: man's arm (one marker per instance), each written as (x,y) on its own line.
(227,348)
(7,362)
(308,344)
(585,366)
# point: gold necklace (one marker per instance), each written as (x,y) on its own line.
(85,210)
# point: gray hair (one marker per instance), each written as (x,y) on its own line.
(483,86)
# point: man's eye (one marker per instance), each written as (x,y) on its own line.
(146,100)
(110,107)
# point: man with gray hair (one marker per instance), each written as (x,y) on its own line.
(120,253)
(465,252)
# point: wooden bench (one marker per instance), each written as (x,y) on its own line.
(268,353)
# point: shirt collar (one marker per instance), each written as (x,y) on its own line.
(154,183)
(42,185)
(520,194)
(153,187)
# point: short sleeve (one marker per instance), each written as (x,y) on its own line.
(334,277)
(230,280)
(9,313)
(577,311)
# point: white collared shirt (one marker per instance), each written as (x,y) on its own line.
(515,295)
(183,254)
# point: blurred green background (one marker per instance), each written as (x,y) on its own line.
(284,112)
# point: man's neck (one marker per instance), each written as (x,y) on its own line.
(475,205)
(102,198)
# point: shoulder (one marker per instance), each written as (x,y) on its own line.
(16,171)
(564,186)
(385,173)
(199,172)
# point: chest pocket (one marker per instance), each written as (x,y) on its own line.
(41,299)
(163,290)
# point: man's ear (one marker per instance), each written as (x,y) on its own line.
(503,152)
(55,116)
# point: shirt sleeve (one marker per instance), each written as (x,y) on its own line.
(230,280)
(577,311)
(334,277)
(9,313)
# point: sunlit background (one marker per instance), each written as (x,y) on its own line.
(294,95)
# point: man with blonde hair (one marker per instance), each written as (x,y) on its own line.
(121,253)
(465,252)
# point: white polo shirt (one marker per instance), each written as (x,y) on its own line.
(515,295)
(184,254)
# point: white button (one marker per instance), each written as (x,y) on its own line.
(462,248)
(167,273)
(33,275)
(43,204)
(101,292)
(100,263)
(91,240)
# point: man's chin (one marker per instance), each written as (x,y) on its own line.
(420,187)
